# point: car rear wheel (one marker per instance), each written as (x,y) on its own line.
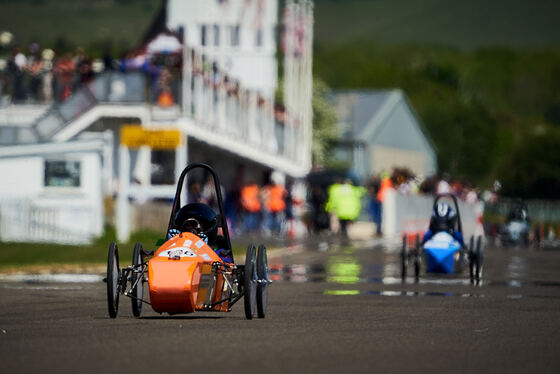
(478,259)
(262,285)
(250,282)
(417,255)
(137,275)
(471,259)
(404,258)
(113,277)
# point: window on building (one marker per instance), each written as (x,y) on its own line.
(259,38)
(216,35)
(62,173)
(234,35)
(203,35)
(163,167)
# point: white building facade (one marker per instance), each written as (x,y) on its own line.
(240,35)
(226,125)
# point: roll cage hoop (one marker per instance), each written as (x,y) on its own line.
(452,197)
(177,200)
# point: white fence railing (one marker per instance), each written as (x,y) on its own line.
(219,103)
(29,221)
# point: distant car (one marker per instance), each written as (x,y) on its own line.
(193,269)
(442,253)
(516,230)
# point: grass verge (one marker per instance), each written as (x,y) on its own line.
(37,257)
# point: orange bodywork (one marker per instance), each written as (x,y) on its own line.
(180,276)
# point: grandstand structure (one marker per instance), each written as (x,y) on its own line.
(218,107)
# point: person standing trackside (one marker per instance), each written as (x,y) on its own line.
(251,206)
(274,198)
(345,202)
(374,206)
(385,185)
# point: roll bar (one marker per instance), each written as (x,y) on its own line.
(177,199)
(450,195)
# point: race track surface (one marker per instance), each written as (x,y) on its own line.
(332,309)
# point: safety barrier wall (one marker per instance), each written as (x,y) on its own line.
(411,214)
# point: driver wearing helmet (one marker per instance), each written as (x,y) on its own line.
(202,221)
(444,219)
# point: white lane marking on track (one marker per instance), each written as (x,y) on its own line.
(41,288)
(57,278)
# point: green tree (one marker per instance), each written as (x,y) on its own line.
(532,169)
(325,120)
(478,106)
(324,123)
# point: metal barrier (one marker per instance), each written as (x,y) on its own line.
(411,214)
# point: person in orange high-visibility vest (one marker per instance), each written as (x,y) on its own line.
(251,204)
(385,185)
(274,198)
(274,201)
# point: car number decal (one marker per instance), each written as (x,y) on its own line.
(178,252)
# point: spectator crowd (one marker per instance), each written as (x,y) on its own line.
(253,209)
(286,210)
(37,75)
(331,211)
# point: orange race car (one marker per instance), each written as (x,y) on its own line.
(193,270)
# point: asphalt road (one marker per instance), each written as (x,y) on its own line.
(335,310)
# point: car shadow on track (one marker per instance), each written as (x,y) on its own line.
(181,317)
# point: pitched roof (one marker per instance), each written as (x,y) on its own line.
(356,109)
(367,106)
(362,113)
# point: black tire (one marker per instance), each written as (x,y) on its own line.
(404,258)
(137,291)
(262,285)
(526,240)
(250,282)
(471,256)
(537,239)
(478,259)
(113,276)
(417,255)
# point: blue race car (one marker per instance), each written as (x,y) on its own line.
(442,248)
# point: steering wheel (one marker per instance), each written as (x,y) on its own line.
(193,225)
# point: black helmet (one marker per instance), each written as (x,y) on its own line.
(199,219)
(444,217)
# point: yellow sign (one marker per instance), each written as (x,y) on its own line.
(134,136)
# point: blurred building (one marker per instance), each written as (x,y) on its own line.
(206,72)
(239,35)
(380,130)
